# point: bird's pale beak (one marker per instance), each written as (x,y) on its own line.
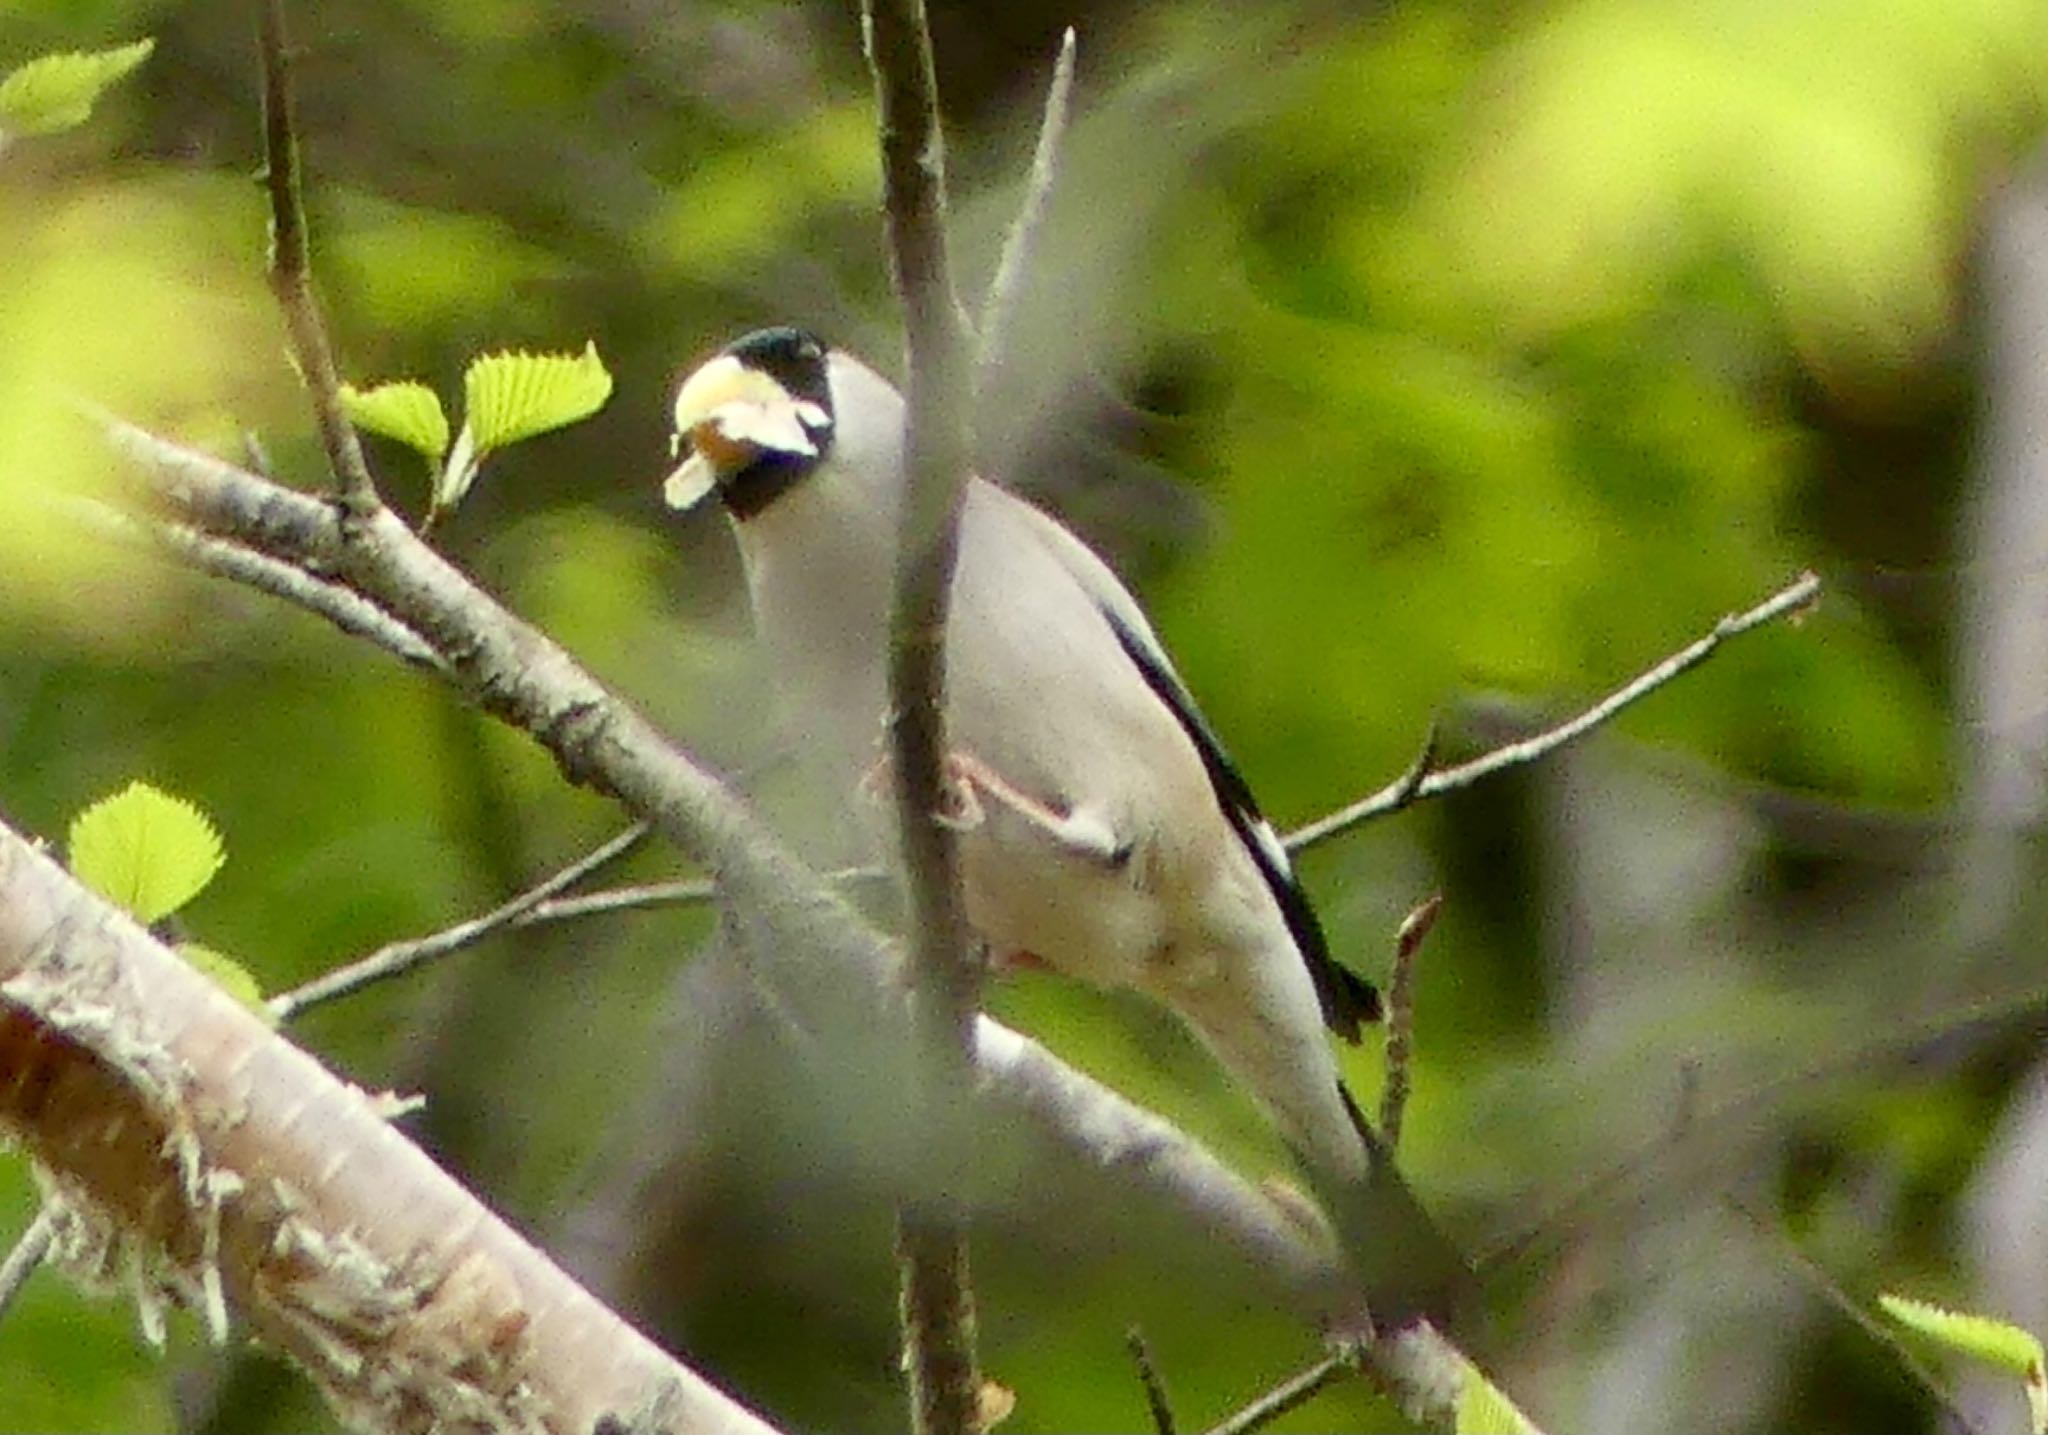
(728,415)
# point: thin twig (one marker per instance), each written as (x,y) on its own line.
(291,269)
(346,610)
(397,957)
(1829,1289)
(27,1256)
(1289,1394)
(1148,1371)
(1412,787)
(690,892)
(686,892)
(1401,1016)
(1021,243)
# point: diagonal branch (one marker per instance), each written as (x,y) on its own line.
(354,615)
(217,1164)
(1021,243)
(1290,1394)
(291,268)
(396,958)
(1157,1403)
(26,1256)
(1822,1283)
(1421,783)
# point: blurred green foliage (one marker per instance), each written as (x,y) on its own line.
(1499,351)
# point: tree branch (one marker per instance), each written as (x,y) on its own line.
(1423,782)
(353,615)
(1156,1401)
(1816,1277)
(1415,929)
(195,1149)
(291,270)
(937,1298)
(1289,1394)
(26,1258)
(1021,243)
(397,958)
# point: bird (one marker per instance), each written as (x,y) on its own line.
(1102,830)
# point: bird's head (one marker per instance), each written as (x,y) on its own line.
(752,421)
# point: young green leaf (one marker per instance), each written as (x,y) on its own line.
(57,92)
(1483,1409)
(1996,1342)
(407,411)
(144,850)
(509,397)
(229,975)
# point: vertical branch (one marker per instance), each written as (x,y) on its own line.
(291,269)
(938,1302)
(1401,1015)
(936,455)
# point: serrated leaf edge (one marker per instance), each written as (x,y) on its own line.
(368,409)
(211,852)
(91,74)
(496,430)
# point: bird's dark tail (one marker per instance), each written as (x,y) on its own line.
(1409,1267)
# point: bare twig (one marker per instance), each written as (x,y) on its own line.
(1005,290)
(1148,1371)
(348,611)
(27,1256)
(397,957)
(1289,1394)
(291,269)
(1415,929)
(689,892)
(1817,1278)
(937,1298)
(1421,784)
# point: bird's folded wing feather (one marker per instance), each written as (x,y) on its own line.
(1347,999)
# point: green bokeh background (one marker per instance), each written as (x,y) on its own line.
(1447,364)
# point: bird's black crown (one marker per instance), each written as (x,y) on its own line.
(790,356)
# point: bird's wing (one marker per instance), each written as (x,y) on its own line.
(1347,999)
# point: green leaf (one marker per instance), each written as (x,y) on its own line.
(509,397)
(1483,1409)
(145,850)
(1996,1342)
(229,975)
(57,92)
(407,411)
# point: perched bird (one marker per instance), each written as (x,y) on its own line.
(1103,831)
